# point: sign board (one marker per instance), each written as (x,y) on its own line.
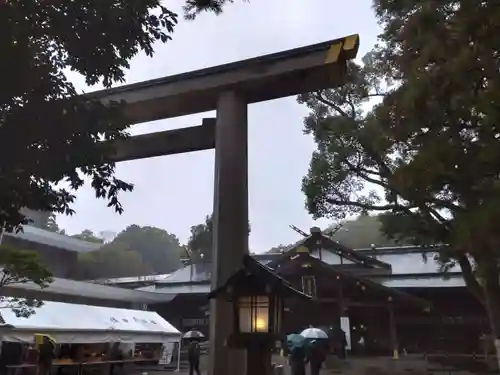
(194,322)
(346,327)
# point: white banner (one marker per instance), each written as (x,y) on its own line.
(346,327)
(167,351)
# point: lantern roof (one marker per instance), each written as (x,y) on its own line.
(255,278)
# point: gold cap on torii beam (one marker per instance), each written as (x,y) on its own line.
(346,48)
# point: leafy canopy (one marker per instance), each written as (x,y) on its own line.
(48,133)
(428,154)
(135,251)
(200,242)
(19,267)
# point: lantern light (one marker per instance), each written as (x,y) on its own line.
(253,314)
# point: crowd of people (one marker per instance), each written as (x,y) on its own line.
(302,353)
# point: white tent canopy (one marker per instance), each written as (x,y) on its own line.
(82,324)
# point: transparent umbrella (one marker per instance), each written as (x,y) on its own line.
(313,333)
(193,335)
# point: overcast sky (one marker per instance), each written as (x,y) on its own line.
(175,192)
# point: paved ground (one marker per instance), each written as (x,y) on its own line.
(360,366)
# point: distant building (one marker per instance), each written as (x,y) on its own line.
(363,285)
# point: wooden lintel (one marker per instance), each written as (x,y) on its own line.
(169,142)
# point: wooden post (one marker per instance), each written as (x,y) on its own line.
(393,332)
(340,296)
(341,309)
(258,360)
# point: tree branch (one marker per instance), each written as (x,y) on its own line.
(328,103)
(365,206)
(469,278)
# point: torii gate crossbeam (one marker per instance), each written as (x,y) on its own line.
(228,89)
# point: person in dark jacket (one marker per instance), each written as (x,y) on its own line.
(194,353)
(45,357)
(341,342)
(316,357)
(298,359)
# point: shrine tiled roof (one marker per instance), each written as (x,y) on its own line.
(61,241)
(329,245)
(198,272)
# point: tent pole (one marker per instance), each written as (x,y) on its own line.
(178,357)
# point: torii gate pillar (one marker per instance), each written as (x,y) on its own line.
(230,220)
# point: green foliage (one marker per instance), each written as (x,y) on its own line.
(159,250)
(200,241)
(56,133)
(428,155)
(18,267)
(136,251)
(351,150)
(363,232)
(194,7)
(89,236)
(111,260)
(359,233)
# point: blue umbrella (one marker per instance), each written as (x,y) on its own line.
(295,341)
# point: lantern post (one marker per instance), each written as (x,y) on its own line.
(256,295)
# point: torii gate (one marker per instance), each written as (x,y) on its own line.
(228,89)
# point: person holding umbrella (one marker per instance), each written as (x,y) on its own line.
(316,356)
(297,357)
(318,340)
(194,351)
(46,355)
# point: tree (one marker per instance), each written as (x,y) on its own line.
(364,232)
(195,7)
(56,132)
(200,241)
(89,236)
(19,267)
(59,135)
(136,251)
(431,147)
(160,251)
(111,260)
